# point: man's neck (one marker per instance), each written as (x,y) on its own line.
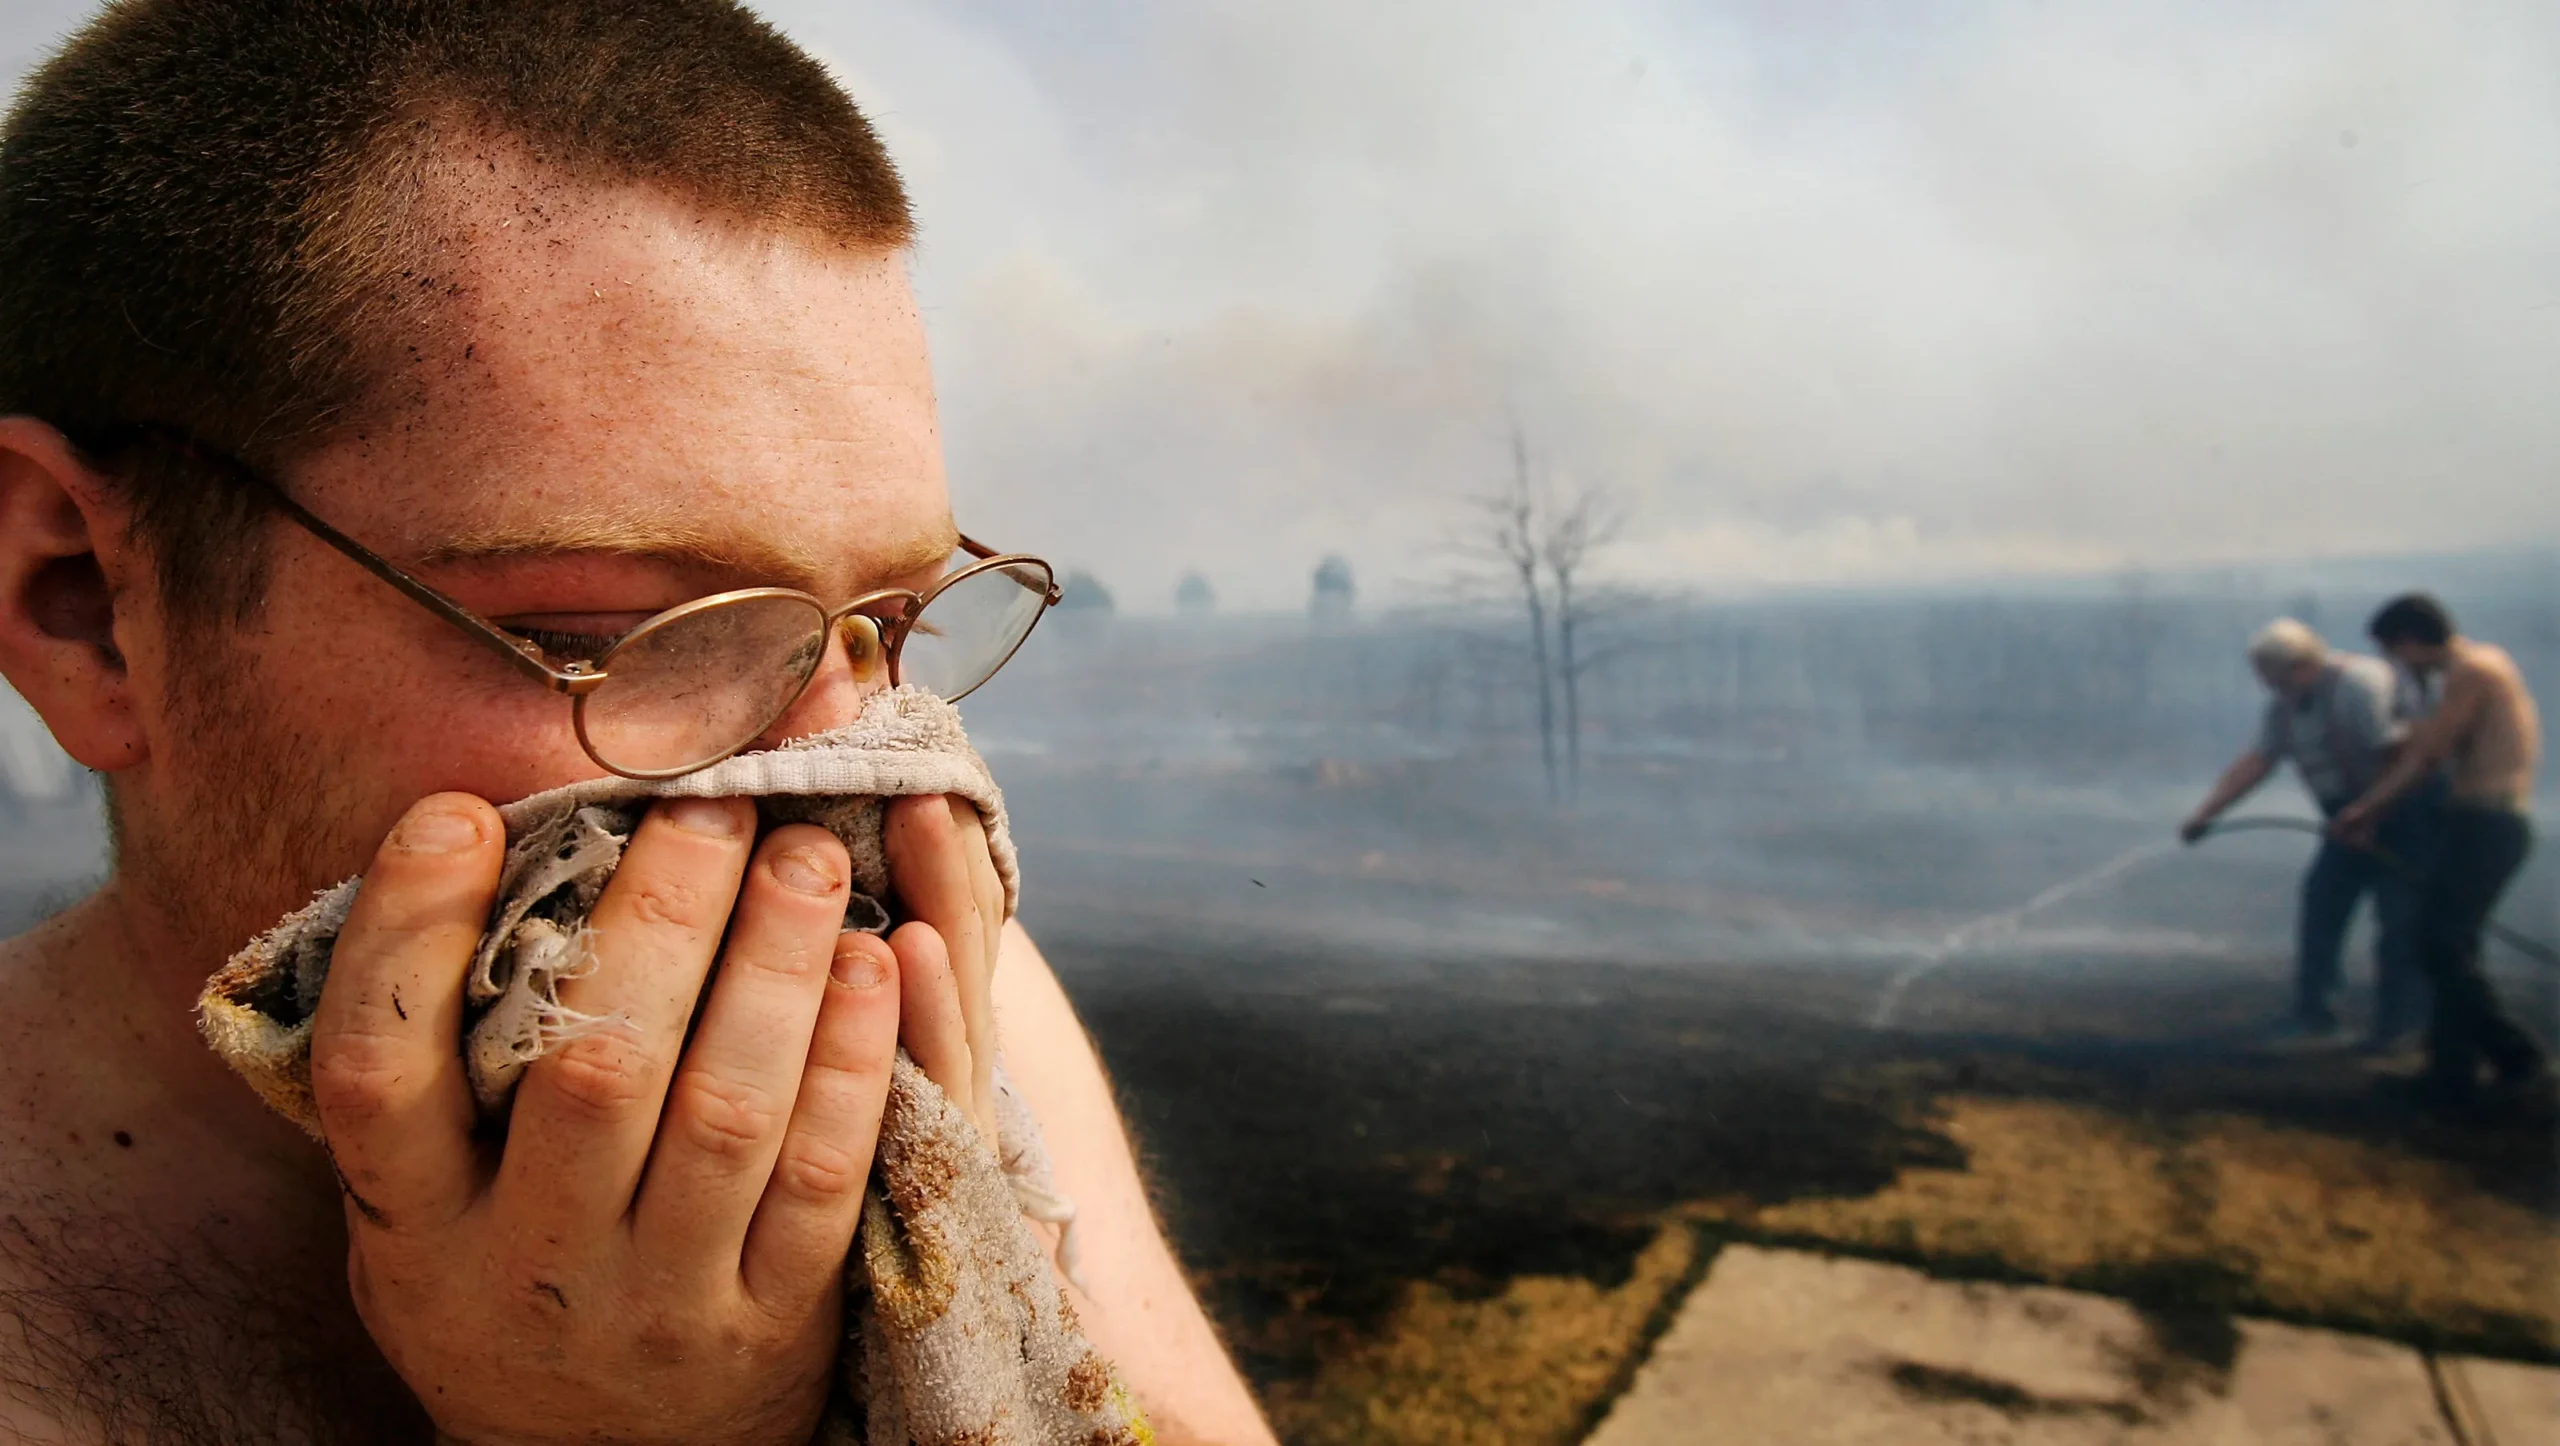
(108,990)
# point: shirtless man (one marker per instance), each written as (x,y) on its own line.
(2486,731)
(573,310)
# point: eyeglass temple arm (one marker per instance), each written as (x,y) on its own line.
(519,651)
(984,553)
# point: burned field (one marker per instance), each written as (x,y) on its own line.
(1440,1162)
(1481,1185)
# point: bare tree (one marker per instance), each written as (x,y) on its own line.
(1570,533)
(1505,534)
(1540,549)
(1517,536)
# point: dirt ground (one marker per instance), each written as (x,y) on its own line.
(1454,1201)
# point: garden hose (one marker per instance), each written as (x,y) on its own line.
(2526,945)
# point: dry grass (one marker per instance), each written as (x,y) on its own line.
(1526,1367)
(2282,1220)
(2240,1213)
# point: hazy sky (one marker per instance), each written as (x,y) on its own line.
(1834,291)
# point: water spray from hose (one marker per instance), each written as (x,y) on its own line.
(1991,925)
(1975,931)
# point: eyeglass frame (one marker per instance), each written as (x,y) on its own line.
(578,679)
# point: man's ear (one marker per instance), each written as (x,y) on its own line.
(64,561)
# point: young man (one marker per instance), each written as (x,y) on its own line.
(575,311)
(2335,716)
(2486,731)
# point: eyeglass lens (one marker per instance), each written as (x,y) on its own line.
(698,686)
(971,627)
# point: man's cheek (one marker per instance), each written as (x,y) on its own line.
(500,748)
(359,746)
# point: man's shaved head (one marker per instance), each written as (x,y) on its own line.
(213,212)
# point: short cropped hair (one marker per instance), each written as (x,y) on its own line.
(202,221)
(2285,643)
(2412,617)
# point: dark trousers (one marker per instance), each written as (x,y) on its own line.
(2395,873)
(2481,849)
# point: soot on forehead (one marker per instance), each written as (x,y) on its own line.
(464,227)
(562,346)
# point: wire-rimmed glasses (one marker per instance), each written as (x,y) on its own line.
(698,682)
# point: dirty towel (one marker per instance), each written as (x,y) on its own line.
(958,1331)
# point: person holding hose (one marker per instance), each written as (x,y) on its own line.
(2487,733)
(2335,715)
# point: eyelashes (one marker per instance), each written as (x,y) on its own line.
(563,646)
(566,647)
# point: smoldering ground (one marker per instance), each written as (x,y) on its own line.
(1447,1087)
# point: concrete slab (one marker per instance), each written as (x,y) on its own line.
(1805,1350)
(2500,1403)
(2305,1387)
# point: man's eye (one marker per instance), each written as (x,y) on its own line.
(563,647)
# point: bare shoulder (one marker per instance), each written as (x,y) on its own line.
(2483,670)
(1028,995)
(1139,1309)
(1051,1059)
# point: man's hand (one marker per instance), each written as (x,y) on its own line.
(946,951)
(656,1251)
(2354,824)
(2194,829)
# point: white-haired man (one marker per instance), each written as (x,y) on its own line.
(2337,717)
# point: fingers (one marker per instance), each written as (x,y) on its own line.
(977,998)
(586,1114)
(930,850)
(733,1094)
(386,1041)
(796,1246)
(929,1019)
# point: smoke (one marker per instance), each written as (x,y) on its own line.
(1838,291)
(1834,291)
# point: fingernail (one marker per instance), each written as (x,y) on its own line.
(858,968)
(808,870)
(437,831)
(710,817)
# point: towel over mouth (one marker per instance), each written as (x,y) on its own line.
(958,1329)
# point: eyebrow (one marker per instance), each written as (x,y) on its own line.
(671,537)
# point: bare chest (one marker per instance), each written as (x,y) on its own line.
(2496,760)
(114,1331)
(172,1258)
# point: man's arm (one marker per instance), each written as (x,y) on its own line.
(1138,1308)
(2245,773)
(2428,744)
